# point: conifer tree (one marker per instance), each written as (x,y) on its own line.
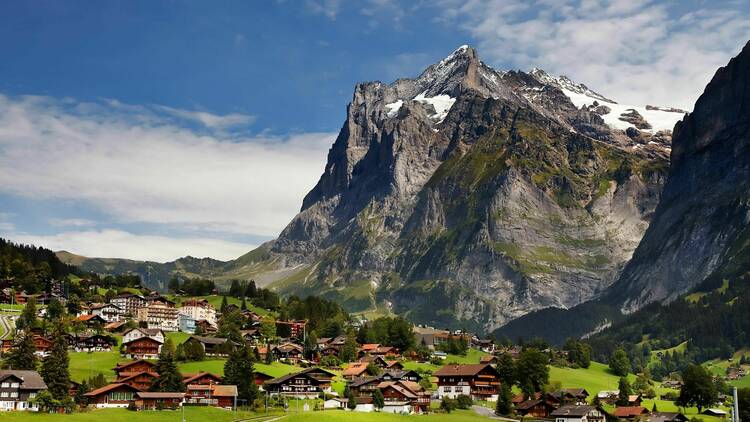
(170,378)
(224,304)
(21,355)
(239,370)
(504,404)
(378,400)
(55,366)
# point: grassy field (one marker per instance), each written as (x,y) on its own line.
(719,367)
(196,414)
(472,356)
(216,366)
(340,415)
(216,300)
(84,365)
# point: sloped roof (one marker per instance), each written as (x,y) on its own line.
(192,377)
(30,380)
(626,411)
(575,411)
(159,395)
(120,367)
(224,391)
(461,370)
(108,388)
(308,371)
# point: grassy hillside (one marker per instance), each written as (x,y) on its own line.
(124,415)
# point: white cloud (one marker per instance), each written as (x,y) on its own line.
(634,51)
(328,8)
(71,222)
(121,244)
(139,167)
(210,120)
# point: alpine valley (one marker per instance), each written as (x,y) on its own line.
(470,197)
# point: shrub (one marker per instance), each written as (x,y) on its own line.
(464,401)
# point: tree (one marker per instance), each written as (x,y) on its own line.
(619,363)
(28,319)
(239,370)
(506,369)
(532,370)
(378,400)
(697,389)
(623,398)
(170,378)
(55,310)
(55,366)
(80,397)
(174,284)
(504,406)
(311,345)
(244,305)
(351,402)
(224,304)
(348,350)
(743,398)
(21,355)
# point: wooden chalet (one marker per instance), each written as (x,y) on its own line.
(479,381)
(18,388)
(666,417)
(568,396)
(213,346)
(365,386)
(143,348)
(216,395)
(535,408)
(201,378)
(91,321)
(308,383)
(141,380)
(127,369)
(205,326)
(92,343)
(355,370)
(112,395)
(574,413)
(261,378)
(147,400)
(288,351)
(404,397)
(42,345)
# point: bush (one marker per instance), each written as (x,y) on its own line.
(448,405)
(464,401)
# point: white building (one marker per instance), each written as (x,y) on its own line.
(129,302)
(109,312)
(137,333)
(160,316)
(199,309)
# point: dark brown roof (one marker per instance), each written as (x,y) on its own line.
(188,378)
(159,395)
(30,380)
(461,370)
(575,411)
(122,366)
(209,340)
(309,372)
(626,411)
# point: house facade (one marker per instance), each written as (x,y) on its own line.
(479,381)
(199,309)
(18,388)
(137,333)
(159,315)
(112,395)
(142,348)
(573,413)
(308,383)
(109,312)
(129,302)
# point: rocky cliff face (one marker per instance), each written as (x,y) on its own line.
(469,197)
(701,224)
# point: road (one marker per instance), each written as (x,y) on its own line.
(489,413)
(6,326)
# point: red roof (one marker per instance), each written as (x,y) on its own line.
(628,411)
(461,370)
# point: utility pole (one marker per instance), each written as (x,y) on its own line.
(736,407)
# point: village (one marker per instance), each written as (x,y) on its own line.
(439,372)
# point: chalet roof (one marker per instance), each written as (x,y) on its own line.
(400,388)
(288,347)
(462,370)
(369,346)
(147,338)
(360,381)
(108,388)
(159,395)
(188,378)
(308,371)
(120,367)
(209,340)
(627,411)
(666,417)
(574,411)
(224,391)
(130,375)
(85,318)
(30,380)
(528,404)
(355,369)
(148,332)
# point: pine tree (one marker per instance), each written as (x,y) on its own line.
(623,398)
(244,304)
(351,403)
(28,319)
(80,397)
(170,378)
(239,370)
(55,366)
(377,399)
(21,355)
(504,406)
(224,304)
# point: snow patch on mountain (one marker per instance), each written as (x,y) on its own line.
(393,108)
(442,104)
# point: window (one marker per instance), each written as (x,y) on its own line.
(14,393)
(14,385)
(5,385)
(4,394)
(32,395)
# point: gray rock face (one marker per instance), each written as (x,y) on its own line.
(701,224)
(469,197)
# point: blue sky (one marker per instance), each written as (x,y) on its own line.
(157,129)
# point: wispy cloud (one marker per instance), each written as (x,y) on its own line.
(139,166)
(71,222)
(121,244)
(210,120)
(327,8)
(637,51)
